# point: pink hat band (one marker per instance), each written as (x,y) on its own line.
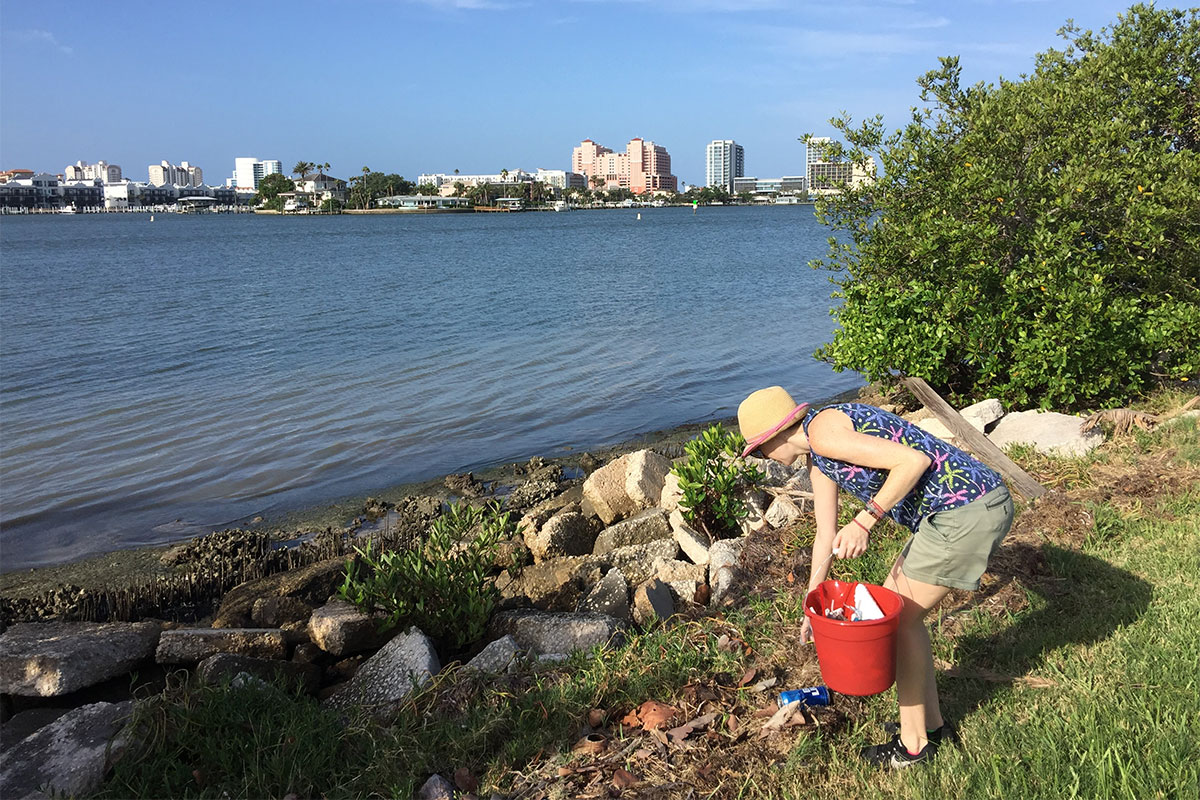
(754,443)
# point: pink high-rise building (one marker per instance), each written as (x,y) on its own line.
(643,167)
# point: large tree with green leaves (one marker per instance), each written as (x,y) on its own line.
(269,189)
(1036,240)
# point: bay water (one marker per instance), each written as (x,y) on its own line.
(160,379)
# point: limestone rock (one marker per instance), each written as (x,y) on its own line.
(227,666)
(636,560)
(1049,432)
(529,494)
(777,475)
(68,757)
(498,657)
(340,628)
(683,578)
(756,510)
(783,511)
(407,661)
(610,596)
(652,601)
(645,527)
(983,413)
(191,645)
(604,490)
(436,788)
(645,474)
(553,585)
(567,533)
(313,583)
(275,612)
(693,543)
(544,632)
(723,568)
(45,659)
(671,493)
(936,427)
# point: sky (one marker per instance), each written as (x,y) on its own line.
(417,86)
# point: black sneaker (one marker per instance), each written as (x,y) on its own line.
(947,734)
(896,756)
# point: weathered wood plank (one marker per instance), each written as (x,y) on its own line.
(1017,479)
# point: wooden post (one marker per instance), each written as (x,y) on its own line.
(1018,479)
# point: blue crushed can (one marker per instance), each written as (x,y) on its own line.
(810,696)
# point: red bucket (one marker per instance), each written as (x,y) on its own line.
(856,658)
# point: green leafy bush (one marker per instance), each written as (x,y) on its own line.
(714,480)
(1035,241)
(443,586)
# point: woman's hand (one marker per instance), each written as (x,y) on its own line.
(806,631)
(851,541)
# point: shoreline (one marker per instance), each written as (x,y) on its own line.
(126,568)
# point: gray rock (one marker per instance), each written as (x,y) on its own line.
(499,656)
(46,659)
(227,666)
(756,510)
(936,427)
(191,645)
(313,583)
(652,601)
(637,560)
(406,662)
(1049,432)
(683,578)
(340,628)
(671,493)
(567,533)
(552,585)
(722,568)
(645,527)
(777,475)
(692,542)
(68,757)
(604,491)
(645,473)
(26,723)
(436,788)
(275,612)
(983,413)
(610,596)
(544,632)
(783,511)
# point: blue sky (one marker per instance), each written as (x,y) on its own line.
(413,86)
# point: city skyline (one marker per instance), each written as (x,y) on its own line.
(437,85)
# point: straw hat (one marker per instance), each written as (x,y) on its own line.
(764,414)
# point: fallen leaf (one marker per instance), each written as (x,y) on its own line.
(766,711)
(653,714)
(764,684)
(747,676)
(732,723)
(592,744)
(703,593)
(686,729)
(791,578)
(659,736)
(465,781)
(642,753)
(596,717)
(623,779)
(703,770)
(564,771)
(788,716)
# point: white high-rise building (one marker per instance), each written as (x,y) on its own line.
(167,174)
(724,160)
(100,171)
(247,172)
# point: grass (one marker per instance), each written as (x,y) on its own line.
(1072,673)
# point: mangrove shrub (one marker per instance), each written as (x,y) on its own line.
(1036,240)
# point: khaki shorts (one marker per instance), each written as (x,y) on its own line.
(952,548)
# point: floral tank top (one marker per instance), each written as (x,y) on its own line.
(952,480)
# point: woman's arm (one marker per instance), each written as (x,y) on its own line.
(825,508)
(831,434)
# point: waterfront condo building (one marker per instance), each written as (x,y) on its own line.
(825,176)
(643,167)
(724,160)
(100,171)
(167,174)
(247,172)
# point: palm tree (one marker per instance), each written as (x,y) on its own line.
(302,168)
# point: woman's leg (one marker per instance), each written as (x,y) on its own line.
(916,687)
